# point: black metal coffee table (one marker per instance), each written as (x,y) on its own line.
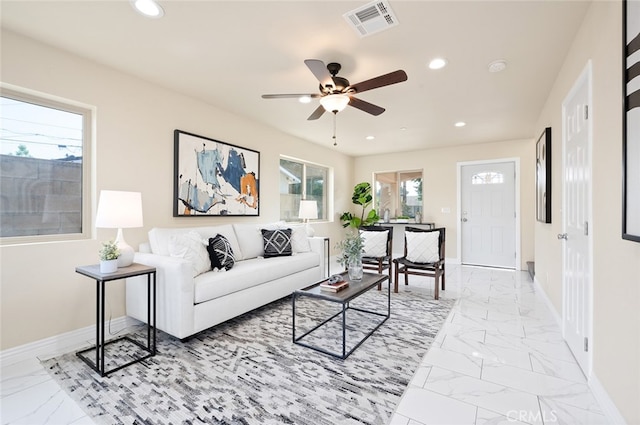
(343,297)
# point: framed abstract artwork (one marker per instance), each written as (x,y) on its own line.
(631,121)
(214,178)
(543,177)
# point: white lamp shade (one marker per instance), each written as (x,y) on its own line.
(334,102)
(117,209)
(308,210)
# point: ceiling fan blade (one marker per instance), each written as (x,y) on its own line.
(316,114)
(380,81)
(319,69)
(365,106)
(290,96)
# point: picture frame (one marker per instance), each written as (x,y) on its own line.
(543,177)
(214,178)
(631,120)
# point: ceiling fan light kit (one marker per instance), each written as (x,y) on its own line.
(334,102)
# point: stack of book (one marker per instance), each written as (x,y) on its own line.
(334,286)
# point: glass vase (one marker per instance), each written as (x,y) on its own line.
(355,269)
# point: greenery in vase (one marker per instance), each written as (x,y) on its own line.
(109,251)
(361,196)
(351,247)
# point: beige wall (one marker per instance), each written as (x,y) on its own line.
(41,295)
(439,172)
(616,262)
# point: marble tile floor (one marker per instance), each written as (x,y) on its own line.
(499,359)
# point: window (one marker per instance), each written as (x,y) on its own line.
(302,180)
(44,147)
(489,177)
(400,192)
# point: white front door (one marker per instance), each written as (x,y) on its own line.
(487,214)
(576,218)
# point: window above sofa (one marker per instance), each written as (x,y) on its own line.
(303,180)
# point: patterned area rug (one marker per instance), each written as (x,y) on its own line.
(248,371)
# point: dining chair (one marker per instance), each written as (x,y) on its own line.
(423,256)
(378,243)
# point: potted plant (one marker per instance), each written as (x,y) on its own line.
(361,196)
(109,254)
(351,259)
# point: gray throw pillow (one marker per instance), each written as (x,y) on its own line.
(277,243)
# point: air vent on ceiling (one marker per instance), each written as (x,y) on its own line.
(371,18)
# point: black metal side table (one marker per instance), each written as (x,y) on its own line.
(93,271)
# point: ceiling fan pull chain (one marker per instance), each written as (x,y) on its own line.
(335,142)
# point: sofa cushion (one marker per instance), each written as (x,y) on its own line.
(299,238)
(159,237)
(190,247)
(277,243)
(250,240)
(248,273)
(220,253)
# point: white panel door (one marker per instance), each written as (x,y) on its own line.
(488,214)
(576,183)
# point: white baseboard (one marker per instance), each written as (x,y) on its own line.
(547,300)
(608,407)
(60,344)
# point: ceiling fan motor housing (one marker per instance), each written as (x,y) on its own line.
(340,84)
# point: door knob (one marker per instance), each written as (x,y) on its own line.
(562,236)
(464,219)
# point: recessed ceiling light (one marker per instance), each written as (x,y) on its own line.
(370,137)
(497,65)
(304,99)
(460,124)
(148,8)
(437,63)
(403,128)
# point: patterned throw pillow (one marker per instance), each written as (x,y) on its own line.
(375,243)
(422,247)
(277,243)
(220,253)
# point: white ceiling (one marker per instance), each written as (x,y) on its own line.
(229,53)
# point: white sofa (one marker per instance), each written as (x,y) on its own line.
(186,305)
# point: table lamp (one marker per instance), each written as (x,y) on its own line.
(119,210)
(308,210)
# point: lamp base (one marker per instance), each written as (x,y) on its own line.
(310,231)
(126,251)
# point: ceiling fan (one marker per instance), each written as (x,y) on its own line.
(336,92)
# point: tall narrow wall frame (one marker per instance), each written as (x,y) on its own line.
(631,120)
(543,177)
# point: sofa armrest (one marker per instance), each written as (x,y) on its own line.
(174,294)
(317,244)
